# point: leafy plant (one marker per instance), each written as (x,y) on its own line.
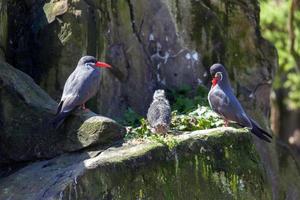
(141,131)
(168,140)
(131,118)
(185,100)
(281,27)
(201,118)
(187,115)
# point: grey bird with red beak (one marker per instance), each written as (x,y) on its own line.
(81,85)
(224,103)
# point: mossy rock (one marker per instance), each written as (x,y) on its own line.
(25,115)
(210,164)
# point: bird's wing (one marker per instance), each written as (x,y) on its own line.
(217,100)
(70,103)
(70,81)
(165,113)
(159,112)
(59,107)
(89,84)
(227,105)
(79,88)
(243,120)
(153,114)
(168,114)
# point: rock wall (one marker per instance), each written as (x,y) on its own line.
(3,28)
(151,44)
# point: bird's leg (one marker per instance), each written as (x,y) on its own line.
(226,122)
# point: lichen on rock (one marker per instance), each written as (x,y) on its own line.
(55,8)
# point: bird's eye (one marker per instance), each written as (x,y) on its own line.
(219,75)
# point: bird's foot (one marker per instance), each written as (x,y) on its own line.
(85,109)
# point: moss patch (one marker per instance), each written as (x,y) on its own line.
(203,165)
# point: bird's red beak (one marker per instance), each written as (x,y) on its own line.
(214,81)
(102,64)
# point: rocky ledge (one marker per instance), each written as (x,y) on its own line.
(206,164)
(25,115)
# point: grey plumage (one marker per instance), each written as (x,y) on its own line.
(159,113)
(223,101)
(81,85)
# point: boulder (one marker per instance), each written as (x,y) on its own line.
(207,164)
(25,115)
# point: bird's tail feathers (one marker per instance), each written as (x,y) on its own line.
(59,107)
(59,119)
(259,132)
(161,128)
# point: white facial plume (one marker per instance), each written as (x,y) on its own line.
(159,94)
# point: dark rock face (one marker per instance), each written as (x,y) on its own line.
(25,132)
(151,44)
